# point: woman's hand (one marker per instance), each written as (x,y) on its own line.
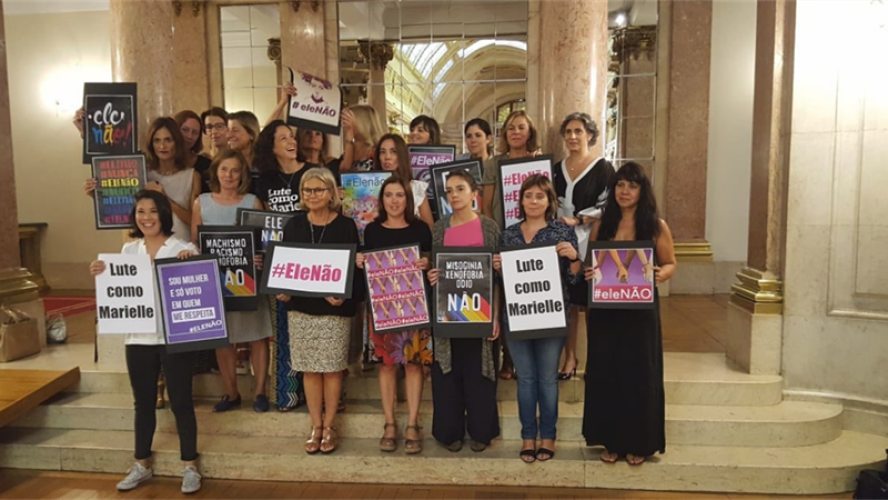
(334,301)
(649,272)
(258,261)
(186,254)
(348,125)
(565,249)
(496,330)
(78,120)
(622,274)
(497,262)
(359,260)
(661,278)
(433,276)
(592,274)
(536,153)
(570,221)
(282,297)
(96,268)
(89,187)
(155,186)
(288,91)
(421,264)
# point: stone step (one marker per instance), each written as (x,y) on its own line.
(788,424)
(825,468)
(690,379)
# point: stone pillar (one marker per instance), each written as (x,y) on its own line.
(635,57)
(687,109)
(379,55)
(190,57)
(302,36)
(754,340)
(573,60)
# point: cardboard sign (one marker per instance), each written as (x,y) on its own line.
(110,122)
(126,301)
(396,289)
(305,270)
(360,201)
(534,294)
(439,184)
(422,158)
(464,292)
(317,104)
(512,174)
(270,224)
(624,275)
(193,309)
(233,248)
(118,179)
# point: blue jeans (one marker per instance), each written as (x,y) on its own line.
(536,364)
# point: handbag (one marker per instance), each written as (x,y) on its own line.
(19,335)
(871,484)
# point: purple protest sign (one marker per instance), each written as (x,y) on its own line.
(191,299)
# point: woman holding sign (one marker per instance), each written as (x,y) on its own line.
(361,130)
(625,404)
(146,354)
(391,155)
(396,225)
(320,327)
(536,359)
(230,184)
(464,372)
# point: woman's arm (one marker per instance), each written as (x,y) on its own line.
(487,200)
(425,213)
(278,113)
(195,221)
(180,211)
(348,138)
(665,254)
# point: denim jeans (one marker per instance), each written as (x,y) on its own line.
(536,365)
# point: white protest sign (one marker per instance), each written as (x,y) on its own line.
(125,298)
(309,270)
(316,105)
(534,295)
(512,175)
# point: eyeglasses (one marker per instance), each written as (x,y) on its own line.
(309,192)
(219,127)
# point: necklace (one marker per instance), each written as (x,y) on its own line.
(311,226)
(288,182)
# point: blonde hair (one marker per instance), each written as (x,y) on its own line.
(368,124)
(530,145)
(324,175)
(227,154)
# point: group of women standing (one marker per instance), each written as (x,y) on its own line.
(275,169)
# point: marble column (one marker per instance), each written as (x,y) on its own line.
(573,60)
(302,36)
(378,54)
(191,82)
(754,340)
(635,58)
(687,130)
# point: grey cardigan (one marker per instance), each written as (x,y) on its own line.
(443,352)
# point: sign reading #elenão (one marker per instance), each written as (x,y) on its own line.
(305,270)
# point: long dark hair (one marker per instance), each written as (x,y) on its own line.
(164,213)
(409,214)
(264,159)
(181,154)
(404,169)
(647,219)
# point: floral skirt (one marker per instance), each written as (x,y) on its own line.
(401,348)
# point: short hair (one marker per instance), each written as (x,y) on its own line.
(409,214)
(542,182)
(480,123)
(429,124)
(404,170)
(588,123)
(214,111)
(466,176)
(181,156)
(530,145)
(213,172)
(300,136)
(264,159)
(324,175)
(248,121)
(367,123)
(183,116)
(164,213)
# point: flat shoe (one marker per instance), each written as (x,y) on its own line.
(478,447)
(455,446)
(544,451)
(227,404)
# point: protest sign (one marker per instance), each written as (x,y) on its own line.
(360,197)
(396,289)
(623,275)
(270,224)
(422,158)
(464,293)
(193,309)
(533,291)
(439,183)
(118,179)
(125,297)
(316,105)
(110,120)
(512,174)
(305,270)
(233,247)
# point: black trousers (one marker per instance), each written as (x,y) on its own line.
(463,399)
(144,363)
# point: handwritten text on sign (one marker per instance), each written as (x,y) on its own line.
(125,297)
(118,179)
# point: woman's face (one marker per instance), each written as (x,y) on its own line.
(517,133)
(627,193)
(229,174)
(190,132)
(459,193)
(147,217)
(535,202)
(388,155)
(575,136)
(477,141)
(164,145)
(394,199)
(420,135)
(316,194)
(217,129)
(311,140)
(284,144)
(238,137)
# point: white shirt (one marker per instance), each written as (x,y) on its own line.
(169,250)
(419,194)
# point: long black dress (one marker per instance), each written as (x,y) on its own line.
(625,405)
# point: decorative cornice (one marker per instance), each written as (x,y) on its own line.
(379,54)
(196,6)
(693,251)
(274,50)
(634,41)
(296,4)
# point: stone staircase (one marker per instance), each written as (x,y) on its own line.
(726,431)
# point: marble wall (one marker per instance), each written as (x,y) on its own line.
(836,302)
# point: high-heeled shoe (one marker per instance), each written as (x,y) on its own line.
(567,375)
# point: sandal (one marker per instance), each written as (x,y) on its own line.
(634,459)
(388,444)
(413,446)
(313,444)
(528,456)
(161,386)
(329,442)
(608,457)
(507,374)
(542,452)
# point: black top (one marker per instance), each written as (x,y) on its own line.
(202,166)
(340,230)
(378,236)
(281,191)
(590,189)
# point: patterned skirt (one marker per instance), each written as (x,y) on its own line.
(286,383)
(401,348)
(318,344)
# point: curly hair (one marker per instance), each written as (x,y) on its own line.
(264,159)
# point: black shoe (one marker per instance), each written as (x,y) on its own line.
(260,404)
(227,404)
(455,446)
(478,447)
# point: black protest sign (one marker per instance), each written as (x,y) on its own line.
(233,248)
(270,224)
(441,172)
(110,120)
(464,292)
(118,179)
